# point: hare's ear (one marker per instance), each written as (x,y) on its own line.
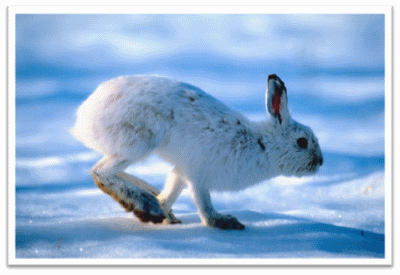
(276,99)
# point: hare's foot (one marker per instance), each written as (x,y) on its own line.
(144,205)
(224,222)
(171,219)
(133,194)
(147,209)
(207,212)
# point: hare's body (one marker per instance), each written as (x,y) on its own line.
(211,146)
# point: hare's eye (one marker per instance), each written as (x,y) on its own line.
(302,143)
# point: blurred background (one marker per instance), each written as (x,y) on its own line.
(332,65)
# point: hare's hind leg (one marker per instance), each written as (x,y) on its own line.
(132,193)
(172,189)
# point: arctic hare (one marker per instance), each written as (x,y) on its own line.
(211,146)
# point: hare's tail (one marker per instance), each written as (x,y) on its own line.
(83,129)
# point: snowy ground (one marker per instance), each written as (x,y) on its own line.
(337,214)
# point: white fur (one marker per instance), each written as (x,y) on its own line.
(211,146)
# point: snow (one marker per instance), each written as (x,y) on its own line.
(341,213)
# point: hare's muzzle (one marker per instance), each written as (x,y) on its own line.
(317,161)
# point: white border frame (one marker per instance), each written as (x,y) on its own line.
(202,9)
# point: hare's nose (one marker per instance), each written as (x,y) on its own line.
(317,160)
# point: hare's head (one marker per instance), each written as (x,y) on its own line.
(294,147)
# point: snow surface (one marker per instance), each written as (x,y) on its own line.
(337,213)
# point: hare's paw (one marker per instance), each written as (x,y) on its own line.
(144,205)
(224,222)
(147,209)
(171,219)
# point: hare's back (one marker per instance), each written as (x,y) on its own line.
(168,98)
(141,111)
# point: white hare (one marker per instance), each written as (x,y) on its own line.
(211,146)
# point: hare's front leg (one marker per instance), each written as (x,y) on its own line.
(208,214)
(172,189)
(132,193)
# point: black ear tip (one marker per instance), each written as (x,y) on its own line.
(273,76)
(276,78)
